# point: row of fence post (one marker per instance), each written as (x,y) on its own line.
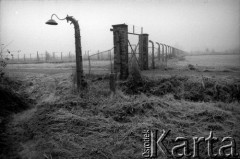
(46,57)
(98,56)
(89,59)
(40,58)
(167,52)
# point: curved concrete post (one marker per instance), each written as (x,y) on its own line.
(166,54)
(79,65)
(169,52)
(162,54)
(159,56)
(153,63)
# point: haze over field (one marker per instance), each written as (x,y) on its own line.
(191,25)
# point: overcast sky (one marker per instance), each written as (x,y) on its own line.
(188,24)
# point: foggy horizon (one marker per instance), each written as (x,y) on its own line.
(186,24)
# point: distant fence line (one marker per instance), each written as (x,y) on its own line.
(99,62)
(52,57)
(147,54)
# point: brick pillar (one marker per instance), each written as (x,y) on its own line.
(143,51)
(120,41)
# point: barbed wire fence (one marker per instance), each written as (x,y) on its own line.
(38,57)
(158,63)
(100,62)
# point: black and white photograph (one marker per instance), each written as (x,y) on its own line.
(119,79)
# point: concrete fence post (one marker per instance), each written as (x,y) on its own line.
(159,55)
(143,51)
(162,53)
(89,64)
(153,62)
(169,51)
(170,55)
(120,41)
(165,54)
(37,57)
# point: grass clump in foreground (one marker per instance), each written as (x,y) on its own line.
(97,125)
(11,101)
(185,88)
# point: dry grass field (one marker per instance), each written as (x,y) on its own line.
(56,122)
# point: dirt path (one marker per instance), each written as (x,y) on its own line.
(10,103)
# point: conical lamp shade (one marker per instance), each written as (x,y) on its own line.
(51,22)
